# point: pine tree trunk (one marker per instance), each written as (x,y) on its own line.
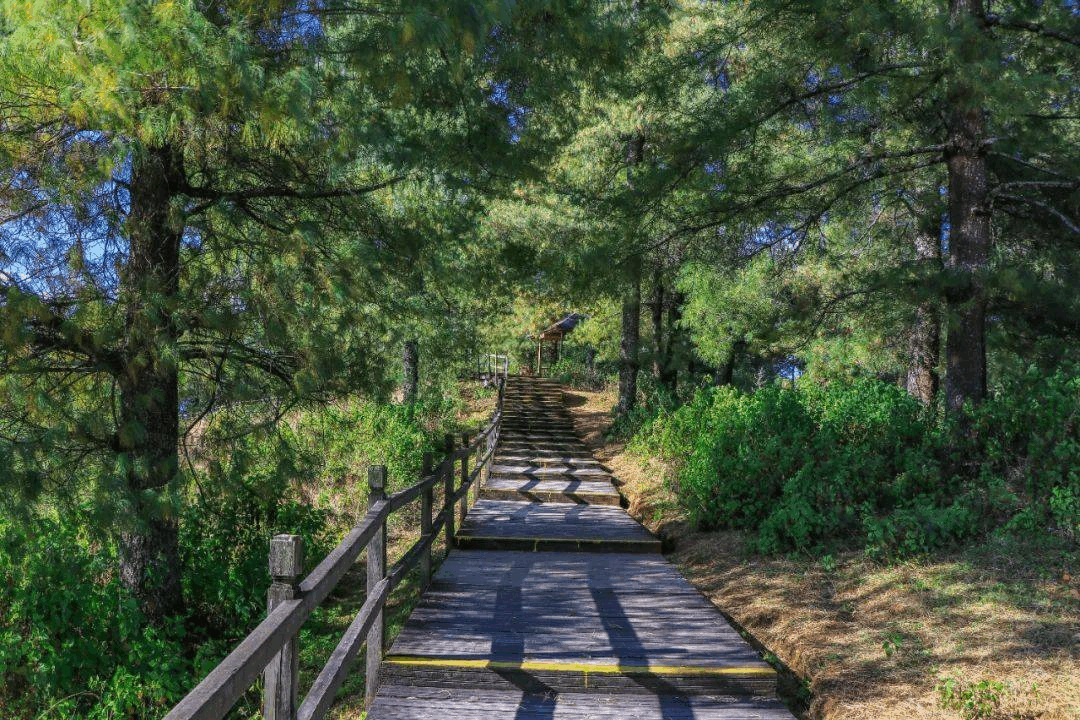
(628,347)
(673,342)
(657,308)
(411,365)
(149,423)
(925,343)
(969,238)
(726,373)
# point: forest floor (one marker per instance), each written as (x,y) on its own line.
(990,631)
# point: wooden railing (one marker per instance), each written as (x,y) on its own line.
(493,365)
(271,648)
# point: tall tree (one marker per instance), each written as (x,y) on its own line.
(193,213)
(922,379)
(969,208)
(780,117)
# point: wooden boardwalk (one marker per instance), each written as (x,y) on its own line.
(557,604)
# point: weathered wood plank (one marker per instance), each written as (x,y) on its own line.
(406,702)
(560,484)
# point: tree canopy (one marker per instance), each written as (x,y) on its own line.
(226,209)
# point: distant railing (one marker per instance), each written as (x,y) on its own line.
(492,366)
(271,648)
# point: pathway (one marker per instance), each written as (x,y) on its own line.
(557,604)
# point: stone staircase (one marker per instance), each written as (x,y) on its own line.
(545,490)
(556,605)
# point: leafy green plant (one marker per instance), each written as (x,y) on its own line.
(892,643)
(1029,436)
(72,642)
(577,374)
(858,462)
(974,701)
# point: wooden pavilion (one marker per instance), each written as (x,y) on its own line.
(549,342)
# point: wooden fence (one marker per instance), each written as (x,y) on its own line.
(271,648)
(492,366)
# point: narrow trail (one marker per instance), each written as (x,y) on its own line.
(557,604)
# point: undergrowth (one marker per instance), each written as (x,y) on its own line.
(73,644)
(808,466)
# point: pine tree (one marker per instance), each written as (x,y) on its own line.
(194,214)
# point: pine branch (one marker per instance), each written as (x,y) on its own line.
(277,366)
(1037,28)
(281,191)
(1068,222)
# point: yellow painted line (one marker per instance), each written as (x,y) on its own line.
(541,666)
(542,539)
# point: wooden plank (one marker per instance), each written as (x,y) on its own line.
(585,492)
(509,677)
(560,483)
(500,518)
(545,453)
(566,459)
(408,702)
(582,471)
(376,573)
(558,544)
(515,612)
(543,495)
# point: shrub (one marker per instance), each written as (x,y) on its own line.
(72,643)
(805,466)
(343,441)
(576,374)
(1029,435)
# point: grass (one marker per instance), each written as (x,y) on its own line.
(988,631)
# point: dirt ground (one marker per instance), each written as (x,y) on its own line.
(991,631)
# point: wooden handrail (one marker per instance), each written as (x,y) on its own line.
(212,698)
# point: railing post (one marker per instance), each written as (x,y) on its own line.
(464,506)
(426,501)
(282,674)
(448,491)
(376,571)
(485,472)
(482,478)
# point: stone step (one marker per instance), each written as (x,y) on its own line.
(551,490)
(557,526)
(617,625)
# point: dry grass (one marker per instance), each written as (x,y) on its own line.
(877,641)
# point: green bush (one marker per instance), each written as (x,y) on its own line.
(576,374)
(1028,436)
(859,462)
(224,537)
(72,644)
(809,465)
(343,441)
